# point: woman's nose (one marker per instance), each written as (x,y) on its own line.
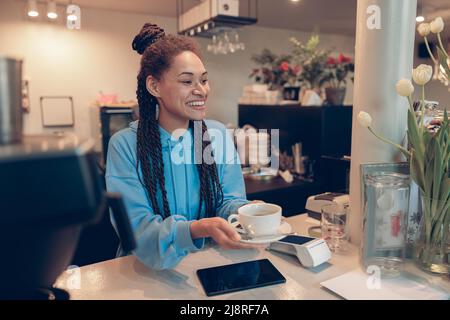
(200,89)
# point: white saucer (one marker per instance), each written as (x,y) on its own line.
(283,230)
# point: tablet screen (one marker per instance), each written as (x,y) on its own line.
(239,276)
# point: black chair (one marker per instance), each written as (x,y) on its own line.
(97,242)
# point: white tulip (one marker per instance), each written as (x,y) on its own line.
(437,25)
(422,74)
(364,119)
(424,29)
(404,87)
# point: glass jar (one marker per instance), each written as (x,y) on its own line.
(386,202)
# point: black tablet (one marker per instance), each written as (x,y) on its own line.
(239,276)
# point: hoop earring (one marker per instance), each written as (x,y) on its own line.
(156,111)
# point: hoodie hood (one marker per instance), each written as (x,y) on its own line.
(166,138)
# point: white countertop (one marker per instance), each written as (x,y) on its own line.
(127,278)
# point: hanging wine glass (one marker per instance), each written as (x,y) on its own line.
(224,42)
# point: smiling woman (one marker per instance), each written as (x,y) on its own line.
(174,205)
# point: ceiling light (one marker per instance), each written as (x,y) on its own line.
(51,10)
(32,8)
(421,13)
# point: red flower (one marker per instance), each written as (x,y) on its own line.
(284,66)
(343,59)
(331,60)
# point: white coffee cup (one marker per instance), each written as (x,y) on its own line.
(258,219)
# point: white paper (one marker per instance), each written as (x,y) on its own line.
(357,285)
(57,111)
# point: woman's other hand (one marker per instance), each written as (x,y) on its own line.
(222,233)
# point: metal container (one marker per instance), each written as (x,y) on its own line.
(11,122)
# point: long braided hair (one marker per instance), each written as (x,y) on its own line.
(158,50)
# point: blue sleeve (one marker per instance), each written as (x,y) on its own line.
(232,181)
(161,244)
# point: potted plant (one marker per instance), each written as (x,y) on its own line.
(428,154)
(275,70)
(313,62)
(337,72)
(429,158)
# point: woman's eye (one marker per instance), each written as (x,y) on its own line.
(186,82)
(205,81)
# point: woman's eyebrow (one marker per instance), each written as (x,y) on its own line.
(191,73)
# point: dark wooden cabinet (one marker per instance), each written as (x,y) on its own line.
(290,196)
(325,134)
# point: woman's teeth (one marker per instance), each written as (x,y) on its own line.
(196,103)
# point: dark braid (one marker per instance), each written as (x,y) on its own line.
(211,193)
(144,147)
(158,52)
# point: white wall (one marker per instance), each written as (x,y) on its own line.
(98,57)
(77,63)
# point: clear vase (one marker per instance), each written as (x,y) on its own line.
(386,202)
(432,246)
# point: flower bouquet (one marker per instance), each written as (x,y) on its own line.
(313,61)
(275,70)
(337,71)
(442,62)
(429,156)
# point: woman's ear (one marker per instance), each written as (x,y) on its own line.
(152,86)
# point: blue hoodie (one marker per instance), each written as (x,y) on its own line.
(161,244)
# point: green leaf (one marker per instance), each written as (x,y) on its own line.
(445,189)
(417,172)
(429,166)
(438,170)
(414,137)
(426,137)
(443,61)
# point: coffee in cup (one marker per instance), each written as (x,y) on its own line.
(258,219)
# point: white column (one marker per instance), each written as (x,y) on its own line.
(385,31)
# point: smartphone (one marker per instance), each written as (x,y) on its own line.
(239,276)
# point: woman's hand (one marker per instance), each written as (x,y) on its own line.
(222,233)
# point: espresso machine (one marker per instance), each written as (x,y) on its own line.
(50,188)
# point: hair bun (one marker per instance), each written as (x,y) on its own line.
(148,35)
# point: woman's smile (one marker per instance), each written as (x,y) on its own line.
(197,105)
